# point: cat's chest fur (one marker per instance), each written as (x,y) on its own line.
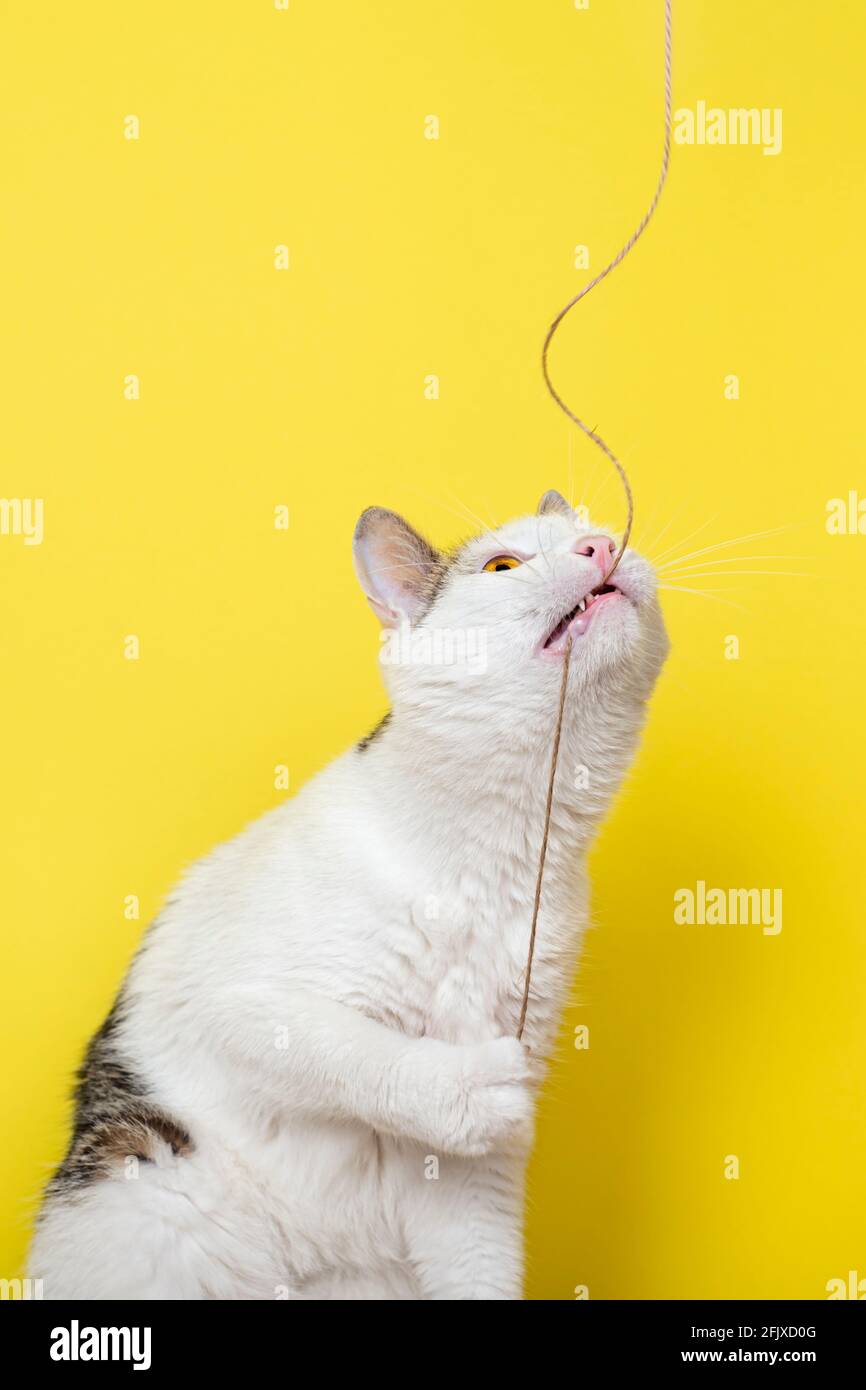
(454,969)
(451,969)
(435,915)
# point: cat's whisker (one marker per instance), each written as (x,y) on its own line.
(465,516)
(704,593)
(646,547)
(592,474)
(697,573)
(544,554)
(495,522)
(723,545)
(627,452)
(473,516)
(736,559)
(715,565)
(654,559)
(674,518)
(641,530)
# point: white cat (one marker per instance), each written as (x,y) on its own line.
(310,1085)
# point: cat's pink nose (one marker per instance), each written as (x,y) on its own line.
(601,549)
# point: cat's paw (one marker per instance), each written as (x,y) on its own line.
(488,1101)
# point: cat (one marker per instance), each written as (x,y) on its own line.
(310,1085)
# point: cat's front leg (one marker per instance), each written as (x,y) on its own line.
(312,1054)
(465,1228)
(483,1098)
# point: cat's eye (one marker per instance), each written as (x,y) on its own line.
(501,562)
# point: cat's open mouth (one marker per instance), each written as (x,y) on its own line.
(577,619)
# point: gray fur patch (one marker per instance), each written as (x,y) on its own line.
(434,582)
(375,732)
(114,1119)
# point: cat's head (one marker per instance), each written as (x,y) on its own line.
(483,628)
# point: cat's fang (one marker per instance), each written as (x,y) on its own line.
(577,621)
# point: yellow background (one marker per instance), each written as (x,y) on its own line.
(305,388)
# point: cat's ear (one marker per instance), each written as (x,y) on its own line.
(553,501)
(399,571)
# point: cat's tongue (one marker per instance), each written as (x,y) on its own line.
(575,623)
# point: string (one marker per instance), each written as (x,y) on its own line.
(596,438)
(602,274)
(563,684)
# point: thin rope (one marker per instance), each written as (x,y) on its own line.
(563,684)
(608,452)
(620,256)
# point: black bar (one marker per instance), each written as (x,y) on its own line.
(234,1339)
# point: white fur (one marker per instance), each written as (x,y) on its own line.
(328,1002)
